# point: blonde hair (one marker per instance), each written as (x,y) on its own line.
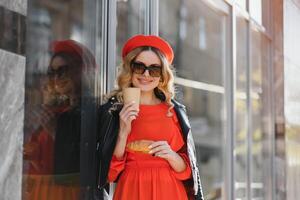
(165,90)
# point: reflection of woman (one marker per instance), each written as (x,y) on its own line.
(53,150)
(147,151)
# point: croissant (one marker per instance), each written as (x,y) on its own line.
(140,145)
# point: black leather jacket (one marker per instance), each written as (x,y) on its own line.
(107,137)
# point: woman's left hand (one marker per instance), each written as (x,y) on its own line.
(162,149)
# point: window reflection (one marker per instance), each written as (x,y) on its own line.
(203,32)
(52,147)
(240,149)
(62,91)
(260,116)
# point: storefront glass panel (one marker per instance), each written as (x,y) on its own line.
(261,146)
(198,34)
(242,3)
(130,21)
(62,93)
(255,9)
(241,130)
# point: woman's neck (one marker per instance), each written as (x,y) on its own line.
(149,98)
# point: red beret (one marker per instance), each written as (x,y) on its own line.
(149,40)
(67,46)
(74,48)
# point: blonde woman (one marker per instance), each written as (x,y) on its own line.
(148,150)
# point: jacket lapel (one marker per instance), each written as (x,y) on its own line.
(182,117)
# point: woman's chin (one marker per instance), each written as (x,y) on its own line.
(146,88)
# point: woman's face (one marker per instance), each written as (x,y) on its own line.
(144,81)
(59,75)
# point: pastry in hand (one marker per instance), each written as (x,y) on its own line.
(141,146)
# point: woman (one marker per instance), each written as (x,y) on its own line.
(148,150)
(53,150)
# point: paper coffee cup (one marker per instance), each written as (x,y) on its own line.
(131,94)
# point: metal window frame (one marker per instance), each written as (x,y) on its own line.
(151,16)
(146,16)
(108,40)
(272,110)
(111,44)
(103,69)
(230,73)
(249,141)
(154,16)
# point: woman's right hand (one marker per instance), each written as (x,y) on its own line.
(40,116)
(46,118)
(128,113)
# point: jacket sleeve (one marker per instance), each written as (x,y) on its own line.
(191,152)
(195,171)
(116,167)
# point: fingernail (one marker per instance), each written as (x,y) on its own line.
(150,152)
(150,146)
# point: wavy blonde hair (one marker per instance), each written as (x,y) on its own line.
(165,90)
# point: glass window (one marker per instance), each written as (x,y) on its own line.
(240,147)
(199,35)
(255,7)
(62,91)
(130,21)
(242,3)
(260,117)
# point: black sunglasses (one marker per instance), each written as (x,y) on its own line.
(140,68)
(60,72)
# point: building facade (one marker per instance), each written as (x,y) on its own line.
(236,67)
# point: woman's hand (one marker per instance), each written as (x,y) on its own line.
(47,119)
(128,113)
(41,116)
(163,150)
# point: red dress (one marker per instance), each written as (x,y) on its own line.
(146,177)
(39,180)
